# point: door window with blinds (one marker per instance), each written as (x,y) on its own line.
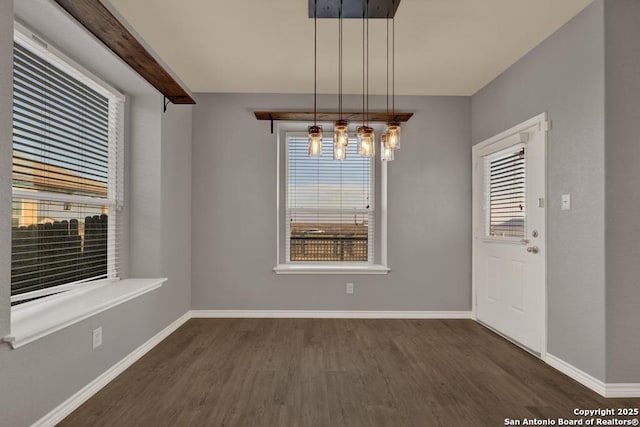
(330,213)
(505,194)
(67,174)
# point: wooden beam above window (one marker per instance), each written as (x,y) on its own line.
(303,116)
(100,22)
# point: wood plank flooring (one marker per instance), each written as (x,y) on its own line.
(335,372)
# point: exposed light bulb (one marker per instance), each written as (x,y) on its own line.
(386,152)
(315,141)
(341,134)
(339,151)
(366,141)
(393,129)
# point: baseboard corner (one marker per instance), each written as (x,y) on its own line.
(72,403)
(580,376)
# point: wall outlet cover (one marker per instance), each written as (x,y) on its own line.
(97,337)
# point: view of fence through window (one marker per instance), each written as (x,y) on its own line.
(54,243)
(330,212)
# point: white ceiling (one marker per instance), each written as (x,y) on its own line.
(443,47)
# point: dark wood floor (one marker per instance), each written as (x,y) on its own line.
(335,372)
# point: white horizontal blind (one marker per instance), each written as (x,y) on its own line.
(67,174)
(330,204)
(506,192)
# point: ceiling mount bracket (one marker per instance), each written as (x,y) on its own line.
(352,9)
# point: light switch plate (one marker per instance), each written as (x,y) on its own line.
(565,202)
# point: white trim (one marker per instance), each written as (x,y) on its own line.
(72,403)
(330,314)
(34,320)
(283,130)
(384,260)
(34,42)
(608,390)
(58,289)
(576,374)
(623,390)
(331,269)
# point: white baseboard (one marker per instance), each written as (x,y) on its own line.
(330,314)
(577,374)
(608,390)
(623,390)
(72,403)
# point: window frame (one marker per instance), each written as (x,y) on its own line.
(114,199)
(377,265)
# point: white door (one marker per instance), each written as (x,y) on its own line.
(509,229)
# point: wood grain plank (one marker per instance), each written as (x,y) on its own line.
(335,372)
(352,117)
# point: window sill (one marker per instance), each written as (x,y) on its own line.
(331,269)
(37,319)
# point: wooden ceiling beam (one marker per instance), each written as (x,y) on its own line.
(100,22)
(304,116)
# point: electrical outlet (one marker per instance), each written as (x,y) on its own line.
(349,288)
(97,337)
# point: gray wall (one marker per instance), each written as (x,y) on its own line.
(41,375)
(234,211)
(622,52)
(6,85)
(176,206)
(564,76)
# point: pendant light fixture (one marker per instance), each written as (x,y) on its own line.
(366,135)
(315,131)
(393,126)
(341,127)
(366,138)
(386,151)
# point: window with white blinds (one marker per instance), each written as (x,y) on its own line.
(506,194)
(330,213)
(67,174)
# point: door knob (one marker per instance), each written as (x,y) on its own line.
(532,249)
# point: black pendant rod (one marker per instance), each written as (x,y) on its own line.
(315,64)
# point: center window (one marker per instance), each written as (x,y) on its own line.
(330,204)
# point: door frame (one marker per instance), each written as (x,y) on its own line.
(544,126)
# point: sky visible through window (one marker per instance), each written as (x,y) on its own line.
(60,128)
(324,183)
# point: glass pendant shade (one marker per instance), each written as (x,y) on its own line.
(341,134)
(315,140)
(366,141)
(393,129)
(386,152)
(339,151)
